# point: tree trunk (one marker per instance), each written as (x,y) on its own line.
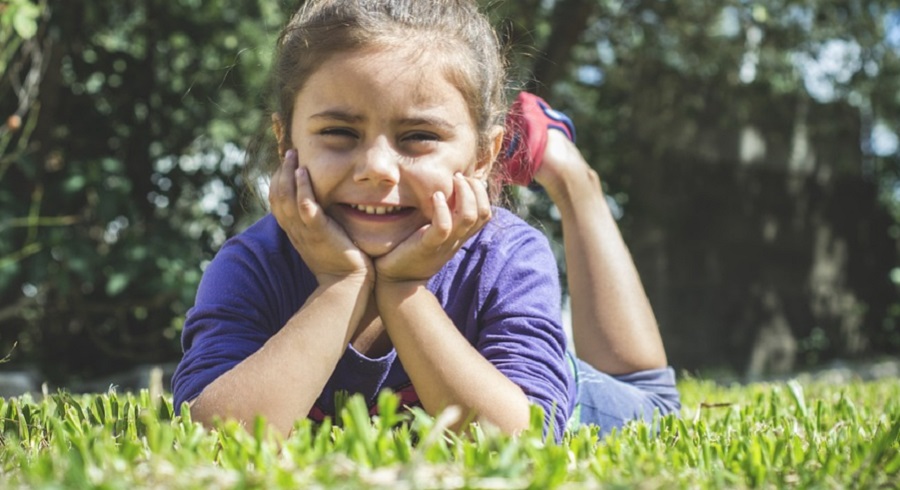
(570,19)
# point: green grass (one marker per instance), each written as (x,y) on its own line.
(763,435)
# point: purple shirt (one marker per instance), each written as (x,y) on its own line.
(501,290)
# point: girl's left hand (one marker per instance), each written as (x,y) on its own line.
(423,254)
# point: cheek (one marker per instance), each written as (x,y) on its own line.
(426,180)
(323,174)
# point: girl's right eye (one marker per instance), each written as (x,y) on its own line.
(338,132)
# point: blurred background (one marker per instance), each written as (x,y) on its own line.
(750,149)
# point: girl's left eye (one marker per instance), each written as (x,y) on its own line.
(421,136)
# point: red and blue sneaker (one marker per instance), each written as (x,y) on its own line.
(527,123)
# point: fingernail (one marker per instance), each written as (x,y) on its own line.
(440,195)
(290,154)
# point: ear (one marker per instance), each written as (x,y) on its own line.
(278,129)
(486,160)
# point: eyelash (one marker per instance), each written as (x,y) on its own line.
(337,132)
(417,136)
(422,136)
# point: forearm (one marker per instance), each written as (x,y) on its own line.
(282,380)
(444,368)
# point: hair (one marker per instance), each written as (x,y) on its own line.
(321,29)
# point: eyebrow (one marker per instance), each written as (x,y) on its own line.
(348,117)
(339,115)
(427,121)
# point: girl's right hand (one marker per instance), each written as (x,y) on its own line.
(324,245)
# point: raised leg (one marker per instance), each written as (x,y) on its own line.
(613,325)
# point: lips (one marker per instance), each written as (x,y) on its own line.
(377,228)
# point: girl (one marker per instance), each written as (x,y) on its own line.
(383,263)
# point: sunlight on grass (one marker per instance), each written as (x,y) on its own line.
(779,434)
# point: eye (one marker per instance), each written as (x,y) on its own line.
(338,132)
(416,136)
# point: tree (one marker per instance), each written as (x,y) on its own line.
(123,179)
(738,139)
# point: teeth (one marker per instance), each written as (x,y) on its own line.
(376,209)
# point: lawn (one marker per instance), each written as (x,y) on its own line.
(788,434)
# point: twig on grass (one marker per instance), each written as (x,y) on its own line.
(9,354)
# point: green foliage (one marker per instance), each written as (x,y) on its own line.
(668,97)
(20,17)
(122,178)
(809,435)
(120,175)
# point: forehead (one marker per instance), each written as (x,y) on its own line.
(387,80)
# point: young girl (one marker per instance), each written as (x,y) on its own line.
(383,264)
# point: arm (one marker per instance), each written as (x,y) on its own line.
(512,320)
(282,379)
(442,365)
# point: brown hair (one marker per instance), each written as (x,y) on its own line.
(321,29)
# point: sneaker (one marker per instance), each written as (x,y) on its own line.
(527,123)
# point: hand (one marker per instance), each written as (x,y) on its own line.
(423,254)
(324,245)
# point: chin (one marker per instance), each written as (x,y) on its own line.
(375,250)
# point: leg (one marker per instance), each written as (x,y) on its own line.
(613,325)
(612,401)
(625,376)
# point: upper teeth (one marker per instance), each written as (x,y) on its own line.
(376,209)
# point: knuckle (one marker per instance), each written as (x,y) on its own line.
(274,192)
(306,206)
(468,219)
(278,193)
(443,230)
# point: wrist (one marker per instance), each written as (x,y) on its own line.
(358,281)
(587,193)
(395,291)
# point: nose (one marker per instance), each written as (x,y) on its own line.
(378,163)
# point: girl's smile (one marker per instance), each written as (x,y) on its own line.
(379,210)
(381,131)
(376,213)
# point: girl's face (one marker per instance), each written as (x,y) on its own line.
(381,131)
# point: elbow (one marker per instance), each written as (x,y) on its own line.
(200,412)
(211,415)
(518,419)
(512,417)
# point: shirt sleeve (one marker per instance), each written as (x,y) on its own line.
(236,311)
(522,332)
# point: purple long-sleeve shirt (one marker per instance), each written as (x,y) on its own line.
(501,290)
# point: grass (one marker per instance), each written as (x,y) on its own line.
(806,435)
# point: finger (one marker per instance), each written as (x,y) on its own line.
(482,199)
(466,209)
(291,161)
(308,209)
(441,221)
(281,185)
